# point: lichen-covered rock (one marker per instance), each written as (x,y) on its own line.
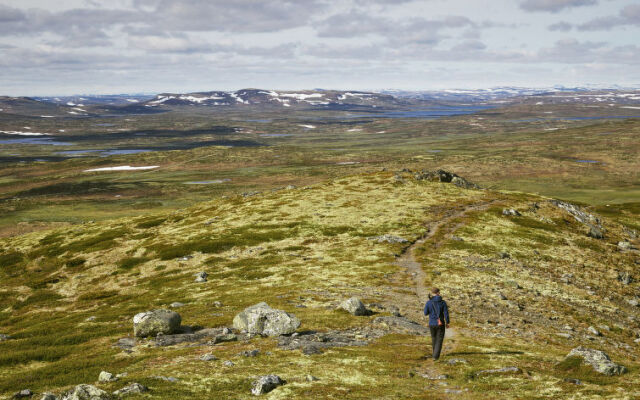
(151,323)
(86,392)
(599,360)
(354,306)
(48,396)
(201,276)
(389,239)
(260,319)
(4,337)
(131,389)
(23,394)
(511,212)
(106,377)
(265,384)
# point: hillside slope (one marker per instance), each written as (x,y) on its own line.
(523,289)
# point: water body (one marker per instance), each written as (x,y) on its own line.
(35,140)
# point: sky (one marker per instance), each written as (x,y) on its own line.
(66,47)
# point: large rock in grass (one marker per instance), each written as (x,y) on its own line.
(265,384)
(260,319)
(86,392)
(354,306)
(151,323)
(599,360)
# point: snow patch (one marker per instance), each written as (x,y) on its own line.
(121,168)
(25,133)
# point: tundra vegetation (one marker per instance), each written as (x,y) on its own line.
(304,225)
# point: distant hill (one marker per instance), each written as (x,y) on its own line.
(328,99)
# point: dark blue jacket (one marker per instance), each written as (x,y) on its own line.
(436,308)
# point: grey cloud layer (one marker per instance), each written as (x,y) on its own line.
(303,37)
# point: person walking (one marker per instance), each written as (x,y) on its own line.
(438,313)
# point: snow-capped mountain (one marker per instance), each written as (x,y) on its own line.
(304,98)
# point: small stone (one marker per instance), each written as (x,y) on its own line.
(573,381)
(106,377)
(633,302)
(228,363)
(354,306)
(226,331)
(625,277)
(23,393)
(91,318)
(266,384)
(176,304)
(86,392)
(624,245)
(311,378)
(504,255)
(201,276)
(4,337)
(167,378)
(502,296)
(564,335)
(250,353)
(208,357)
(217,304)
(131,389)
(511,212)
(594,331)
(122,375)
(455,361)
(595,232)
(48,396)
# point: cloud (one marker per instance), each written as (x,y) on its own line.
(469,45)
(554,6)
(629,15)
(230,15)
(561,26)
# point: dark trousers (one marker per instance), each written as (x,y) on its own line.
(437,337)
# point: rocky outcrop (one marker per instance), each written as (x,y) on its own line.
(386,238)
(401,325)
(86,392)
(599,360)
(592,222)
(260,319)
(23,394)
(440,175)
(151,323)
(213,335)
(354,307)
(265,384)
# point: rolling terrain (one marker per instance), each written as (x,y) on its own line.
(306,199)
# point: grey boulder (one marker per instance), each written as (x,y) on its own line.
(260,319)
(131,389)
(265,384)
(106,377)
(151,323)
(599,360)
(354,306)
(86,392)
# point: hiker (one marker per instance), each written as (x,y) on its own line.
(438,313)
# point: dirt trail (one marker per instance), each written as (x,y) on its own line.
(408,261)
